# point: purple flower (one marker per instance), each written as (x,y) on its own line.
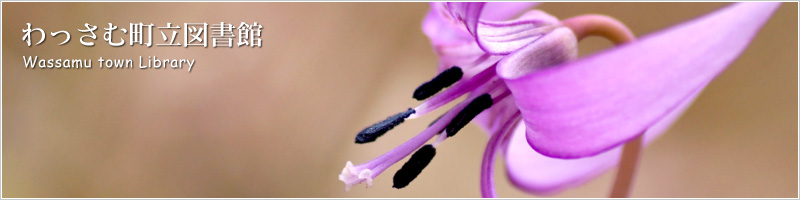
(577,114)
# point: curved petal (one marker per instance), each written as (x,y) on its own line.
(542,175)
(440,26)
(446,26)
(502,38)
(498,37)
(458,54)
(467,13)
(499,11)
(491,119)
(442,29)
(539,174)
(586,107)
(454,45)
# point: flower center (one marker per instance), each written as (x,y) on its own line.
(485,89)
(481,80)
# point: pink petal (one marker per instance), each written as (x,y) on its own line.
(462,54)
(442,29)
(502,38)
(451,41)
(539,174)
(586,107)
(492,119)
(466,13)
(455,46)
(499,11)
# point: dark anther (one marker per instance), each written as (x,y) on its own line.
(441,81)
(371,133)
(414,166)
(474,108)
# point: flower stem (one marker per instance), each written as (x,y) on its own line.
(611,29)
(627,168)
(599,25)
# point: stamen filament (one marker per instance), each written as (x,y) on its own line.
(365,172)
(439,139)
(384,161)
(453,92)
(481,64)
(352,175)
(435,120)
(500,94)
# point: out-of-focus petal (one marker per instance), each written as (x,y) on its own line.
(499,37)
(442,29)
(502,38)
(539,174)
(458,54)
(451,41)
(498,11)
(586,107)
(467,13)
(446,26)
(440,26)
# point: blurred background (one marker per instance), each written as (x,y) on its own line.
(279,121)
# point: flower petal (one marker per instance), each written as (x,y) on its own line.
(502,38)
(499,37)
(586,107)
(539,174)
(442,29)
(492,119)
(446,26)
(451,41)
(466,13)
(499,11)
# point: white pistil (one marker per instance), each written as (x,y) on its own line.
(351,176)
